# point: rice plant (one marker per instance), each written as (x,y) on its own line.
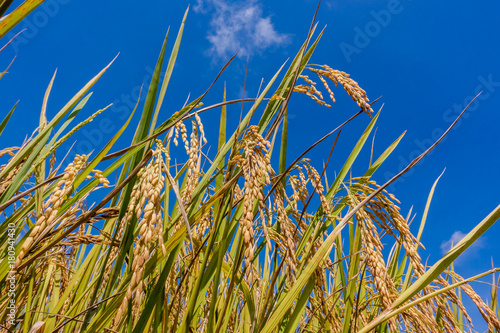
(223,243)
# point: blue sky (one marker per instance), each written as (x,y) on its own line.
(425,58)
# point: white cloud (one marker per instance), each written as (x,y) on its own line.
(454,239)
(239,26)
(470,253)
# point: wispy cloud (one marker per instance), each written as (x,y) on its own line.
(239,26)
(456,237)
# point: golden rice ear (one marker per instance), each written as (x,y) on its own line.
(9,151)
(286,241)
(310,90)
(350,86)
(148,192)
(255,164)
(486,312)
(194,153)
(38,327)
(267,251)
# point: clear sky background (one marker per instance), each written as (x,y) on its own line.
(426,58)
